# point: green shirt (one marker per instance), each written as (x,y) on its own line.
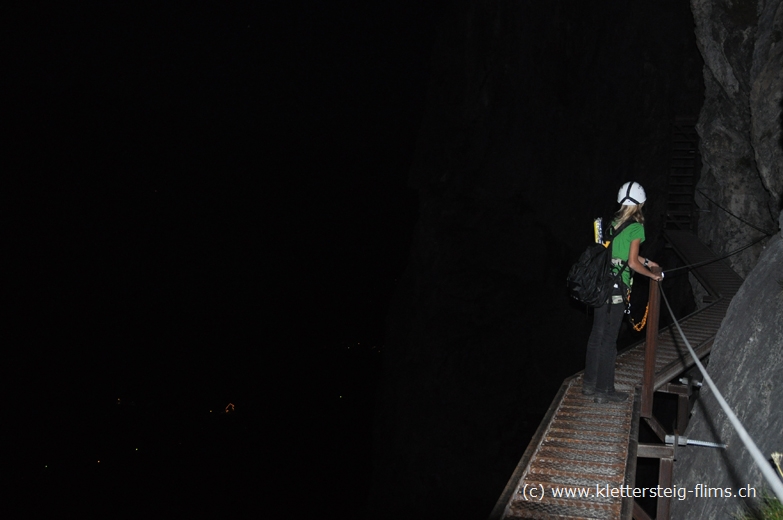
(621,247)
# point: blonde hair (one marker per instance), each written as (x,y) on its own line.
(626,213)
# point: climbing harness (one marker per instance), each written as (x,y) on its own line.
(638,326)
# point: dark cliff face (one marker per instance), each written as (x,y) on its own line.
(742,150)
(740,124)
(747,368)
(537,113)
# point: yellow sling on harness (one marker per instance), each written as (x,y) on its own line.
(638,326)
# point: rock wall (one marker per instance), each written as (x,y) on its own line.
(742,153)
(747,368)
(538,112)
(740,124)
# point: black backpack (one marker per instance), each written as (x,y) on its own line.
(591,279)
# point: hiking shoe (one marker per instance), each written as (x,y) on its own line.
(588,389)
(614,397)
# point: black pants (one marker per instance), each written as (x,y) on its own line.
(602,346)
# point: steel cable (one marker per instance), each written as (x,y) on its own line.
(766,470)
(733,215)
(707,262)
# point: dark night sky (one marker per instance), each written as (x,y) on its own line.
(204,199)
(262,155)
(206,203)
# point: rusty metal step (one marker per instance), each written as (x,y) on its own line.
(588,446)
(586,422)
(563,509)
(588,475)
(579,410)
(562,433)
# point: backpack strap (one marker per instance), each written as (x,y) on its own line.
(619,275)
(615,233)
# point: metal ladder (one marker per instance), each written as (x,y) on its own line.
(683,174)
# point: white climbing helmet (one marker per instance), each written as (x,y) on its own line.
(631,194)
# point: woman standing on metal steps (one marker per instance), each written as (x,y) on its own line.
(598,378)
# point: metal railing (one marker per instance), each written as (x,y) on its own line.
(653,318)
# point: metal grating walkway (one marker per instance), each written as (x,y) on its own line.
(581,444)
